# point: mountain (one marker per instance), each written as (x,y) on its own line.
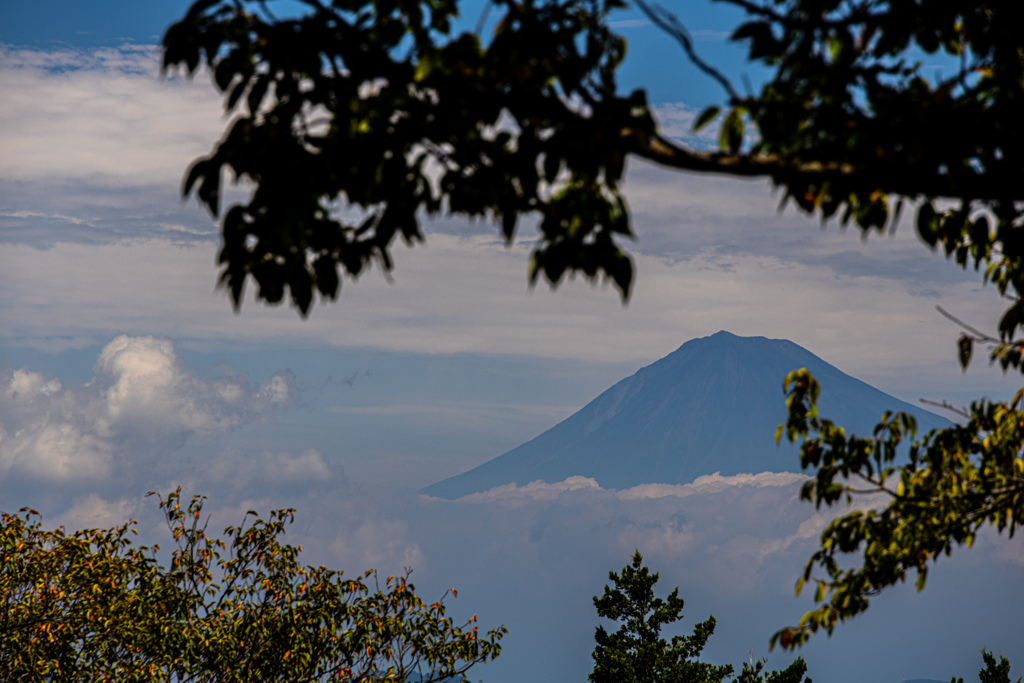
(710,406)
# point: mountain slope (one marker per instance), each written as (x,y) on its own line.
(710,406)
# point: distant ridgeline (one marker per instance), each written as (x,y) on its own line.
(710,406)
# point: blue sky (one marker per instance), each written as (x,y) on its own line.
(126,369)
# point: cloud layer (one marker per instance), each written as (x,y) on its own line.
(106,115)
(95,143)
(868,325)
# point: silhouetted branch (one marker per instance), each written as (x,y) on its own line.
(947,406)
(671,25)
(978,335)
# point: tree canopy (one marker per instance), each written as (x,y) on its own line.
(994,671)
(637,653)
(94,606)
(359,119)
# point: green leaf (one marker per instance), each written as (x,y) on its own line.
(706,117)
(927,224)
(730,136)
(965,347)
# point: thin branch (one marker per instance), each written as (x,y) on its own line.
(482,21)
(266,10)
(947,406)
(978,335)
(671,25)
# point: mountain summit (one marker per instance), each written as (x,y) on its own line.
(710,406)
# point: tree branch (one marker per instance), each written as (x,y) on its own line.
(962,412)
(887,177)
(978,335)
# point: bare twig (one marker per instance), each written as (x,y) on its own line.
(946,405)
(978,335)
(482,21)
(266,10)
(671,25)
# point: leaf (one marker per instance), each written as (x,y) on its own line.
(236,94)
(257,92)
(223,74)
(706,117)
(730,136)
(965,346)
(508,226)
(927,224)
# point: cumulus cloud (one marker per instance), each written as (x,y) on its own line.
(270,471)
(532,556)
(379,542)
(140,403)
(93,511)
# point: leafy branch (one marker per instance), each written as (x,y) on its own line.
(92,606)
(954,481)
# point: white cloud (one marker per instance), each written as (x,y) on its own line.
(712,253)
(105,115)
(712,483)
(748,517)
(270,471)
(139,404)
(379,542)
(676,119)
(709,483)
(42,434)
(869,325)
(537,490)
(483,410)
(93,511)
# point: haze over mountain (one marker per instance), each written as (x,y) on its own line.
(710,406)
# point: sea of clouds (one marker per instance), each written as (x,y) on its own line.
(529,557)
